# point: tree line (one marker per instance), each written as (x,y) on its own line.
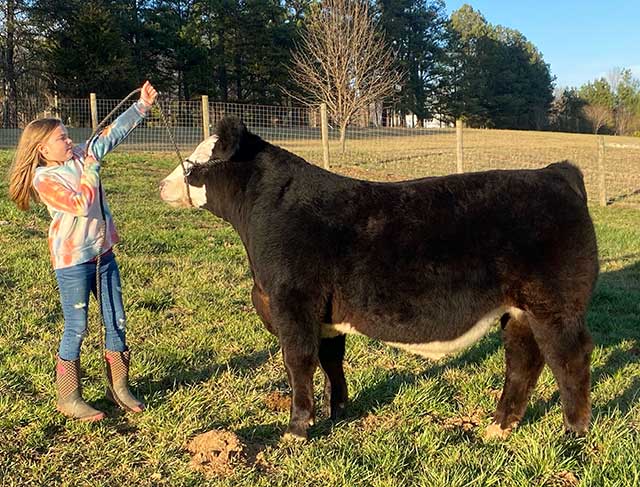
(448,67)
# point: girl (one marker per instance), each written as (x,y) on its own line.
(48,168)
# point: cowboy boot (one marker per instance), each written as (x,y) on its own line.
(118,381)
(69,392)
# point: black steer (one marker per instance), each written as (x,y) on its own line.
(426,265)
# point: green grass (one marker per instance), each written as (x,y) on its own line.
(202,360)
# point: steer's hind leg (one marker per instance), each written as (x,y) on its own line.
(335,385)
(524,363)
(566,345)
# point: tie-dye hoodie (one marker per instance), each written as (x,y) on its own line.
(70,192)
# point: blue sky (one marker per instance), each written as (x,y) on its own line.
(580,40)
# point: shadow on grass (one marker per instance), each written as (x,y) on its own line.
(180,373)
(385,390)
(614,319)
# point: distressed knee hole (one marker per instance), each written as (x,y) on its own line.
(80,305)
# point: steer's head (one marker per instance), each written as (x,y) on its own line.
(232,147)
(173,188)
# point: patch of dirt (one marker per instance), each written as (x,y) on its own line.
(373,422)
(277,401)
(216,453)
(562,479)
(495,393)
(465,422)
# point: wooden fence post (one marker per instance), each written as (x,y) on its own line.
(324,129)
(93,104)
(602,183)
(459,149)
(205,116)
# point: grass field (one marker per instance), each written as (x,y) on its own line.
(202,361)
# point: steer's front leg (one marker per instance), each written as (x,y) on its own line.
(300,339)
(300,365)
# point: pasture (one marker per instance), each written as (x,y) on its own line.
(202,360)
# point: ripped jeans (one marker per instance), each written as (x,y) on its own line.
(75,284)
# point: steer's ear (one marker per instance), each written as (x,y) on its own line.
(231,131)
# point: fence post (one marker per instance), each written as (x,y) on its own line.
(459,149)
(324,129)
(205,116)
(94,110)
(602,184)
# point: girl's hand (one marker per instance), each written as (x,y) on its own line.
(89,161)
(148,94)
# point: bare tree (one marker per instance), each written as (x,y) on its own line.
(614,78)
(342,60)
(598,115)
(624,119)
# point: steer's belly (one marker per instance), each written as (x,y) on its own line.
(433,349)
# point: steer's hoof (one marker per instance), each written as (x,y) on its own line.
(338,412)
(577,428)
(297,431)
(576,432)
(496,432)
(291,436)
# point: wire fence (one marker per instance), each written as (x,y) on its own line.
(376,151)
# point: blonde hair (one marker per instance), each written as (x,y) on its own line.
(27,159)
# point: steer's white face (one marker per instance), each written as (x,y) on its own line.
(173,188)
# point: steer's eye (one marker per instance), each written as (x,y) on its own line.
(195,175)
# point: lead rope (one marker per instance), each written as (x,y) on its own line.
(185,172)
(101,239)
(103,226)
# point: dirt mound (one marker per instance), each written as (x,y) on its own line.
(215,452)
(218,452)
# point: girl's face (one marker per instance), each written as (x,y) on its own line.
(56,148)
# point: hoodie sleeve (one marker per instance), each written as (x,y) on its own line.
(116,132)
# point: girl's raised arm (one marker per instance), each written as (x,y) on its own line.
(115,133)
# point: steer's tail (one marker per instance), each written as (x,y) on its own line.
(573,175)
